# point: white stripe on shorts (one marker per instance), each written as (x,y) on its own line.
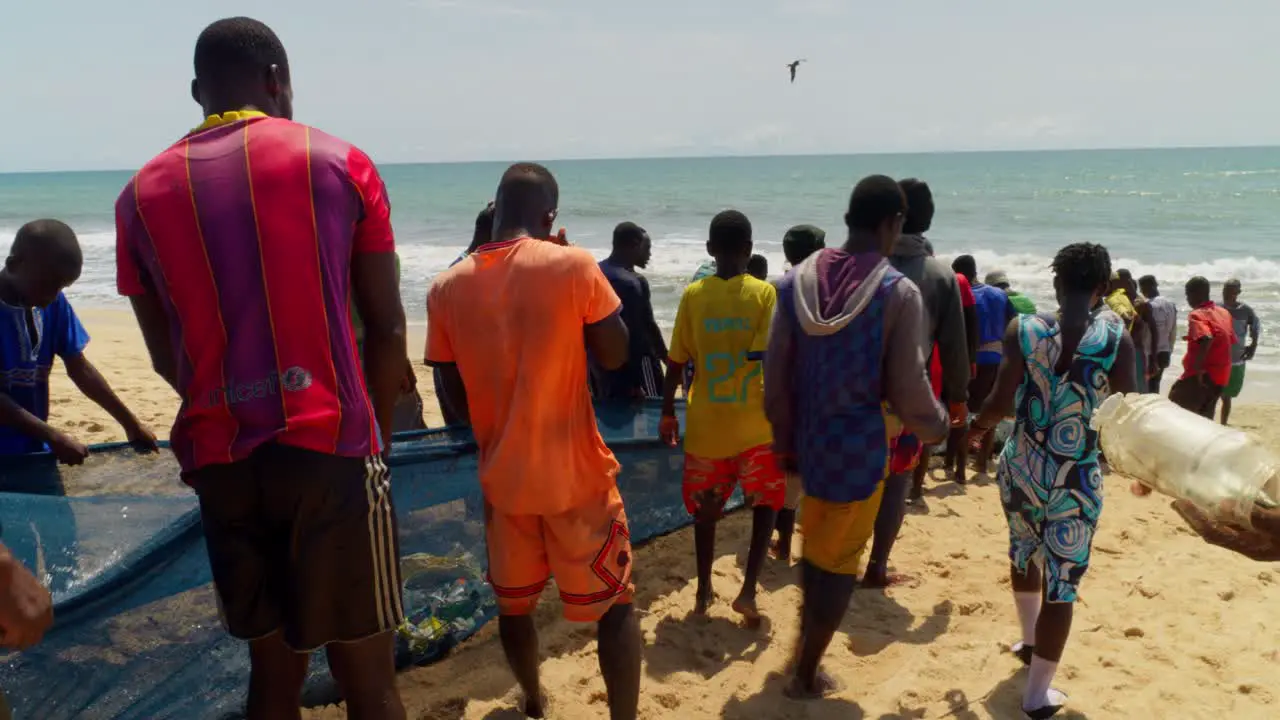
(386,571)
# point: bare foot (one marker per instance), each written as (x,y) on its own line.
(823,685)
(917,494)
(777,552)
(746,607)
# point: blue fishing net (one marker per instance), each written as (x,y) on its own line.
(137,632)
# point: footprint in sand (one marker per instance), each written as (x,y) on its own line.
(669,701)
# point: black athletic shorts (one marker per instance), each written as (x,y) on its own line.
(983,382)
(1200,398)
(304,543)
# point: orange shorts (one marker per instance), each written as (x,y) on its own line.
(587,549)
(710,481)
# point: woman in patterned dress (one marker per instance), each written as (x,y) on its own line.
(1057,369)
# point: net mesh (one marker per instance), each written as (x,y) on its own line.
(137,632)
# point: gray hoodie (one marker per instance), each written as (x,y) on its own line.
(829,290)
(913,256)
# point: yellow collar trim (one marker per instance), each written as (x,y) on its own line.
(227,118)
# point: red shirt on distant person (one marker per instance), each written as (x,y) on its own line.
(284,207)
(1210,321)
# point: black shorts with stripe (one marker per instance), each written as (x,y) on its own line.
(303,543)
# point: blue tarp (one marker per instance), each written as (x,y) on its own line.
(137,633)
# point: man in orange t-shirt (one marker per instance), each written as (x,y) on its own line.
(506,328)
(1206,368)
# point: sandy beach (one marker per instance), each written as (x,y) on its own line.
(1167,626)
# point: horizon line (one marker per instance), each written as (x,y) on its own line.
(726,156)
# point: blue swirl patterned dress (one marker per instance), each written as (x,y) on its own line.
(1050,482)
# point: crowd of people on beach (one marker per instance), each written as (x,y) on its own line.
(259,259)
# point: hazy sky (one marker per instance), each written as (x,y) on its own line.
(92,84)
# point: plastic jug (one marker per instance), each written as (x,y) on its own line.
(1222,471)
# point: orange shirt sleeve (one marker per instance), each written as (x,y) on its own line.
(439,347)
(129,278)
(373,231)
(596,295)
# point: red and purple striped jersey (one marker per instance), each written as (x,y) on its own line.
(245,230)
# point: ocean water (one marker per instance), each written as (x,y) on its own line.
(1171,213)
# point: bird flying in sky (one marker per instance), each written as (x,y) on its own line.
(793,66)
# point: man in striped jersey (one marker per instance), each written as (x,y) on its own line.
(240,248)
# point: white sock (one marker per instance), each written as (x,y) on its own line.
(1028,604)
(1038,694)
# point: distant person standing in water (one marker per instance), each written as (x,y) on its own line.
(510,327)
(240,248)
(844,370)
(641,377)
(995,312)
(758,267)
(1054,372)
(1206,368)
(798,244)
(1243,321)
(1164,315)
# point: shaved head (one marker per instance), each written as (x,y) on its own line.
(527,200)
(44,259)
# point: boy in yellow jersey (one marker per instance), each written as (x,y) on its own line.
(722,327)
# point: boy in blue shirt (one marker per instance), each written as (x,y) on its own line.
(37,323)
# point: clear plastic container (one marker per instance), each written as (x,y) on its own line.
(1222,471)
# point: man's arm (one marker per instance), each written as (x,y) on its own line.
(1123,377)
(96,388)
(154,325)
(16,417)
(1255,329)
(1200,356)
(1013,369)
(677,357)
(26,608)
(779,394)
(135,282)
(1199,342)
(454,392)
(905,371)
(439,355)
(1148,318)
(373,283)
(608,341)
(953,343)
(606,333)
(971,333)
(655,332)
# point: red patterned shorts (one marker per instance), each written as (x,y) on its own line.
(710,481)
